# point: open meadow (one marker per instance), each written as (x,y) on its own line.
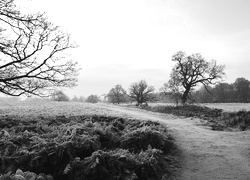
(68,141)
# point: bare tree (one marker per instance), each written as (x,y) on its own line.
(117,95)
(141,92)
(172,88)
(32,54)
(192,70)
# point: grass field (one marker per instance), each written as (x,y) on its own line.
(68,141)
(49,108)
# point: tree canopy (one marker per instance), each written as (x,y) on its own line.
(59,95)
(141,92)
(93,99)
(239,91)
(33,57)
(191,70)
(117,95)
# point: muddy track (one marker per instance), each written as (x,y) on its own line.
(206,154)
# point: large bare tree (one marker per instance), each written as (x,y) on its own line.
(141,92)
(33,57)
(192,70)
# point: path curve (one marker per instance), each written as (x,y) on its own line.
(206,154)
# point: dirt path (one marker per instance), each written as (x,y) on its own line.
(207,154)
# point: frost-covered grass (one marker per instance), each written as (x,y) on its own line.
(71,141)
(49,108)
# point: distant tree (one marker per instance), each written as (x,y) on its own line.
(75,99)
(203,95)
(32,54)
(242,90)
(93,99)
(141,92)
(192,70)
(81,99)
(223,93)
(117,95)
(172,88)
(59,95)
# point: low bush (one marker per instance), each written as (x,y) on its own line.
(189,111)
(119,164)
(216,118)
(20,175)
(239,120)
(141,138)
(85,147)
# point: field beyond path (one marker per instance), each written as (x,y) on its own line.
(206,154)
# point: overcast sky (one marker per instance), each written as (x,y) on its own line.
(123,41)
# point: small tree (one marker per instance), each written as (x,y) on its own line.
(192,70)
(59,96)
(141,92)
(32,54)
(81,99)
(75,99)
(172,89)
(117,95)
(93,99)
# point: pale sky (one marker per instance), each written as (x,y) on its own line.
(123,41)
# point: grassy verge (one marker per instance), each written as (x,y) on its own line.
(90,147)
(217,118)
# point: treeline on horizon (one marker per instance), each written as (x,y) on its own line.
(237,92)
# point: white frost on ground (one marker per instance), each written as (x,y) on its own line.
(206,154)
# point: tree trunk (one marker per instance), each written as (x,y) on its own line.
(185,95)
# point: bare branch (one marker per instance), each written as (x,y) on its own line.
(141,92)
(192,70)
(32,53)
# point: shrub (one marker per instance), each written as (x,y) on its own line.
(189,111)
(119,164)
(217,119)
(143,137)
(85,147)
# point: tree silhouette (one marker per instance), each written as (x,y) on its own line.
(93,99)
(117,95)
(141,92)
(59,95)
(242,90)
(32,54)
(192,70)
